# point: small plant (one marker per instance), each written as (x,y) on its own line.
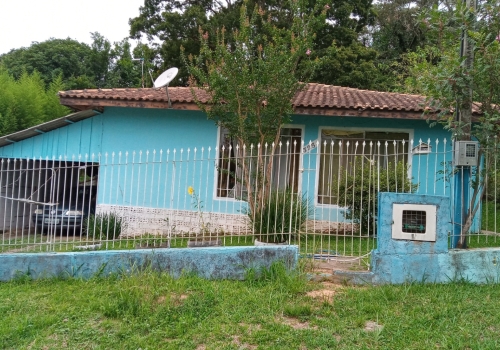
(357,187)
(283,215)
(197,203)
(104,226)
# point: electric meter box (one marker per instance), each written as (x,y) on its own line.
(410,223)
(466,153)
(415,222)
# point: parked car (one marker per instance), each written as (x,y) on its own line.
(69,214)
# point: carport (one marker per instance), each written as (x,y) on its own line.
(30,184)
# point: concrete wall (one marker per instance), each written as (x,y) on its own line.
(397,261)
(210,263)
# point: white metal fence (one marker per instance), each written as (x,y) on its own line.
(320,195)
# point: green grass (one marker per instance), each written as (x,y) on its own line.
(483,241)
(490,212)
(150,310)
(308,243)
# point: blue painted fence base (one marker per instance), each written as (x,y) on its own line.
(209,263)
(481,265)
(397,261)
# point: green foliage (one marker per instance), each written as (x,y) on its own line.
(438,72)
(459,76)
(174,24)
(104,226)
(358,185)
(250,82)
(76,65)
(401,26)
(171,25)
(26,102)
(354,66)
(51,58)
(282,216)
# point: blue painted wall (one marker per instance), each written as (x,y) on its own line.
(133,136)
(120,129)
(209,263)
(397,261)
(424,166)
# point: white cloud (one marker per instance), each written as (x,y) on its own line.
(25,21)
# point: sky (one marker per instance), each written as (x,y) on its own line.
(25,21)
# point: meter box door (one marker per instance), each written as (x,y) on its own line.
(466,153)
(415,222)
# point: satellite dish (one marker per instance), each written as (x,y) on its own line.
(166,77)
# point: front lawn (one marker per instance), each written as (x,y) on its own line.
(280,311)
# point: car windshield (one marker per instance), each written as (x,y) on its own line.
(78,195)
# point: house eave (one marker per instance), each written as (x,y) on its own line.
(363,113)
(94,103)
(48,126)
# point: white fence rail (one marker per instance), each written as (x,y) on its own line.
(320,195)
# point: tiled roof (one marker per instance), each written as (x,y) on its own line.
(177,94)
(317,96)
(330,96)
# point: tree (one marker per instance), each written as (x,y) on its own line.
(168,25)
(352,66)
(123,72)
(453,84)
(399,27)
(80,66)
(51,58)
(26,102)
(251,83)
(100,59)
(344,60)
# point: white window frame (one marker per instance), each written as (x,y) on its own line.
(229,199)
(346,128)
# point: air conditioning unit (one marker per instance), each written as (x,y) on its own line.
(466,153)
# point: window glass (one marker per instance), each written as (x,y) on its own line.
(285,164)
(340,148)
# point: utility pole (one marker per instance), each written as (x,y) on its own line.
(464,119)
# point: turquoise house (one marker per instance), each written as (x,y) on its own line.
(142,153)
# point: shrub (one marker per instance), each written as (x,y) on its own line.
(284,214)
(358,185)
(104,226)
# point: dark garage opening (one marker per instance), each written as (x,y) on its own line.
(46,195)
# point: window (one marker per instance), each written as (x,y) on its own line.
(340,148)
(285,164)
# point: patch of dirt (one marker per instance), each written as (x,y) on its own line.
(178,299)
(201,347)
(161,299)
(372,326)
(325,295)
(339,265)
(236,341)
(296,324)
